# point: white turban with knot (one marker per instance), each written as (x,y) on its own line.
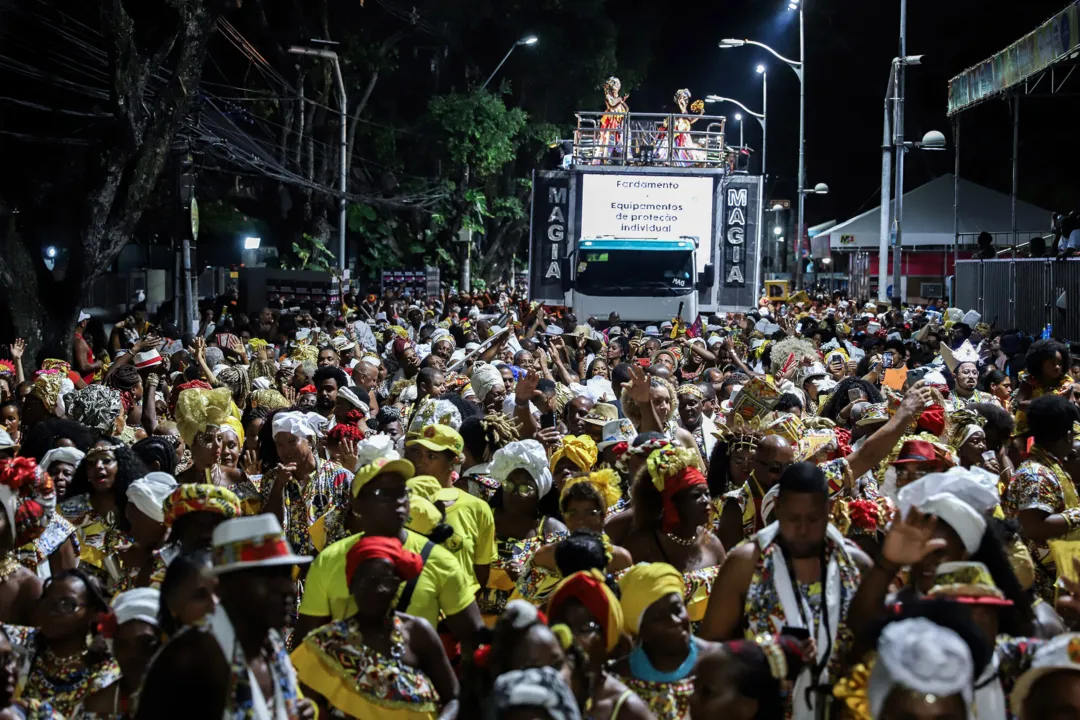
(923,657)
(138,604)
(375,447)
(148,494)
(299,423)
(443,334)
(70,455)
(486,378)
(435,412)
(962,499)
(528,455)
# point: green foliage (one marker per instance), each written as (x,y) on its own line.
(477,129)
(311,254)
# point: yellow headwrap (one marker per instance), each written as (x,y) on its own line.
(196,409)
(47,388)
(235,425)
(303,352)
(579,449)
(424,486)
(606,481)
(269,399)
(644,584)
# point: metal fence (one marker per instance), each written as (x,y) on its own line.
(648,139)
(1022,293)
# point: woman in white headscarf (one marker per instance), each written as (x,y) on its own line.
(135,636)
(145,562)
(57,548)
(922,670)
(521,525)
(489,387)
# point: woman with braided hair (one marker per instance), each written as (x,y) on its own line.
(483,436)
(127,380)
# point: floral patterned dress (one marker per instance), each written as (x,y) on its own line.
(100,542)
(35,555)
(1040,484)
(359,682)
(60,686)
(666,700)
(327,488)
(501,588)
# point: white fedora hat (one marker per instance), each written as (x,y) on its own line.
(251,542)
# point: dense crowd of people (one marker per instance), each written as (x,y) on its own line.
(466,507)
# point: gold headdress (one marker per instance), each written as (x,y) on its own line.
(197,409)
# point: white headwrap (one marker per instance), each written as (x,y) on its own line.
(261,383)
(70,455)
(923,657)
(485,378)
(528,455)
(443,334)
(960,498)
(435,412)
(148,494)
(298,423)
(83,315)
(374,447)
(138,604)
(353,399)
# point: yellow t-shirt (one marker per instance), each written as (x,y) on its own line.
(441,587)
(473,520)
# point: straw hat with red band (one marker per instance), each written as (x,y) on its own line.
(969,583)
(147,359)
(407,564)
(254,541)
(673,469)
(589,589)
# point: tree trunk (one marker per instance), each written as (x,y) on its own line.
(42,310)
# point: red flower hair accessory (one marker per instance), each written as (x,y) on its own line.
(18,472)
(864,514)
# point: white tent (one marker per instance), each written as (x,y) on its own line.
(928,216)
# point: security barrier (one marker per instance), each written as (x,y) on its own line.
(1022,293)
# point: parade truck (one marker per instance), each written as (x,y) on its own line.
(649,231)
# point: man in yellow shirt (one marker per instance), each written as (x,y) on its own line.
(380,506)
(435,452)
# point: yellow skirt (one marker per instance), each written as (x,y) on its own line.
(315,674)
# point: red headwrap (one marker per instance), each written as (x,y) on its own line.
(619,449)
(400,344)
(589,589)
(193,385)
(685,478)
(307,389)
(345,432)
(407,563)
(932,420)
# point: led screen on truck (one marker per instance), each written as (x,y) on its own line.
(649,206)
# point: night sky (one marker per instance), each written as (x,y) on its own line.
(849,46)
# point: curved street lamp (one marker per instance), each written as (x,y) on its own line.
(527,40)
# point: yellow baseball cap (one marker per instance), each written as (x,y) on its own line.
(381,466)
(425,486)
(423,516)
(440,438)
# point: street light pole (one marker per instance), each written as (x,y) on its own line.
(760,117)
(343,111)
(764,115)
(802,149)
(742,138)
(530,40)
(886,182)
(898,135)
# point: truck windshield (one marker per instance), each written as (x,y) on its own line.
(655,273)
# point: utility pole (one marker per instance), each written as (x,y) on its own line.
(898,142)
(189,234)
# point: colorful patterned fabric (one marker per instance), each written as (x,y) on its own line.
(666,701)
(1036,485)
(200,497)
(62,687)
(100,542)
(531,585)
(35,555)
(1013,656)
(247,492)
(305,502)
(748,508)
(358,680)
(483,486)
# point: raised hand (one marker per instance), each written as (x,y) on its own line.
(349,458)
(911,539)
(639,386)
(249,463)
(17,349)
(525,390)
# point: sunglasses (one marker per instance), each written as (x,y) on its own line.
(524,489)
